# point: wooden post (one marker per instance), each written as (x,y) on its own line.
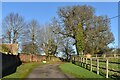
(115,55)
(83,62)
(90,64)
(86,63)
(104,55)
(78,59)
(97,66)
(50,58)
(96,55)
(74,59)
(106,68)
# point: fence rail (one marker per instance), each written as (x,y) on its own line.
(106,55)
(90,63)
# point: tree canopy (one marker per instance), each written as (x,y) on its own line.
(91,33)
(76,25)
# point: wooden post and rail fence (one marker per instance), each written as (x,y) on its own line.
(88,64)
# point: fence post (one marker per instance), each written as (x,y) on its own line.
(96,55)
(86,63)
(83,62)
(104,55)
(79,60)
(90,64)
(97,66)
(74,59)
(106,68)
(115,55)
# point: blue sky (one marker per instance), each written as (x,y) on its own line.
(44,12)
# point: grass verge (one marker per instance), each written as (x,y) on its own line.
(77,71)
(23,70)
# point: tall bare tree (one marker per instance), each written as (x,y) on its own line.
(48,39)
(31,36)
(13,26)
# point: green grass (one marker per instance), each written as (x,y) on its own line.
(103,64)
(112,66)
(23,70)
(77,71)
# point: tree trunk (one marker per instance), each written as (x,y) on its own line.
(55,50)
(76,48)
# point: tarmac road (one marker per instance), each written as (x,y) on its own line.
(49,71)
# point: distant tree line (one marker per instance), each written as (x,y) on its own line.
(77,26)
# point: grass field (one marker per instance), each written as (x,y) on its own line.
(77,71)
(111,66)
(23,70)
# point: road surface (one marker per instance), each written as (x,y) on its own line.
(49,71)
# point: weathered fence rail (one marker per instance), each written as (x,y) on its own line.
(98,63)
(106,55)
